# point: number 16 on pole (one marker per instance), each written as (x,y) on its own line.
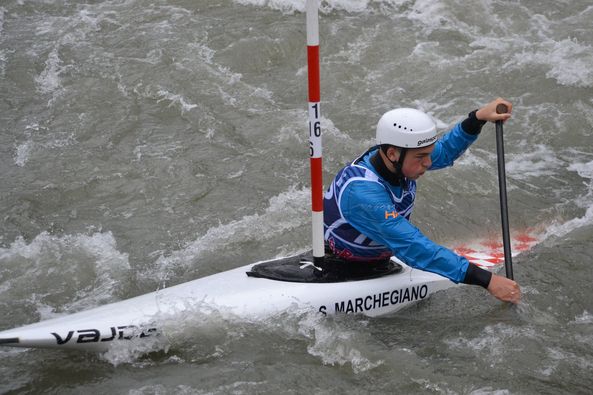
(314,130)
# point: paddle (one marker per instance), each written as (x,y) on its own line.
(502,187)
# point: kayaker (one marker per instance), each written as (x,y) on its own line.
(368,205)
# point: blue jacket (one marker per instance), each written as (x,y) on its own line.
(367,218)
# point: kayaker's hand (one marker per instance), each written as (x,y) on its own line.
(504,289)
(488,112)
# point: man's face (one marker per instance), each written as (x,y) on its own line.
(417,161)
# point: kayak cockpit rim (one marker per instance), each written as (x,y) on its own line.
(302,269)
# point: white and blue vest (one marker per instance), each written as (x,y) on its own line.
(342,238)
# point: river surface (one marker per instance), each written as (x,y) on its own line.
(145,144)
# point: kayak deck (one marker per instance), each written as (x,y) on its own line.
(231,292)
(302,269)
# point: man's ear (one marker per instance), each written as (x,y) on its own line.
(392,154)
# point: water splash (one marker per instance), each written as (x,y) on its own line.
(540,161)
(585,170)
(49,82)
(292,6)
(336,345)
(176,99)
(284,212)
(62,274)
(568,61)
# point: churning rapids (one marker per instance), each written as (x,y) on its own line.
(145,144)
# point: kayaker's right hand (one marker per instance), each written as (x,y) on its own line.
(504,289)
(488,112)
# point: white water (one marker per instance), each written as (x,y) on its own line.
(145,145)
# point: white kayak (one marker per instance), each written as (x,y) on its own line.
(239,295)
(233,292)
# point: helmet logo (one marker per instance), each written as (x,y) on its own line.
(428,140)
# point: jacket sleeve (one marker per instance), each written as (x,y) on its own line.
(377,220)
(450,147)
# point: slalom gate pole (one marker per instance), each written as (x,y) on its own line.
(315,130)
(502,187)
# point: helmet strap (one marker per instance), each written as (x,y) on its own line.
(395,178)
(398,166)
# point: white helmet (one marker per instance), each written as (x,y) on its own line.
(407,128)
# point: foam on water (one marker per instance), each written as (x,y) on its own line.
(63,273)
(284,212)
(539,161)
(433,15)
(291,6)
(48,81)
(568,61)
(491,345)
(558,356)
(38,138)
(2,51)
(197,330)
(336,345)
(176,99)
(238,387)
(2,12)
(585,170)
(585,318)
(199,58)
(23,152)
(202,331)
(470,159)
(2,63)
(490,391)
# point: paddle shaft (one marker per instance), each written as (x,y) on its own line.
(502,187)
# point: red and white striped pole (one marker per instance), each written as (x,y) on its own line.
(315,129)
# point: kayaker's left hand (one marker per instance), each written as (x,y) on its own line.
(504,289)
(488,112)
